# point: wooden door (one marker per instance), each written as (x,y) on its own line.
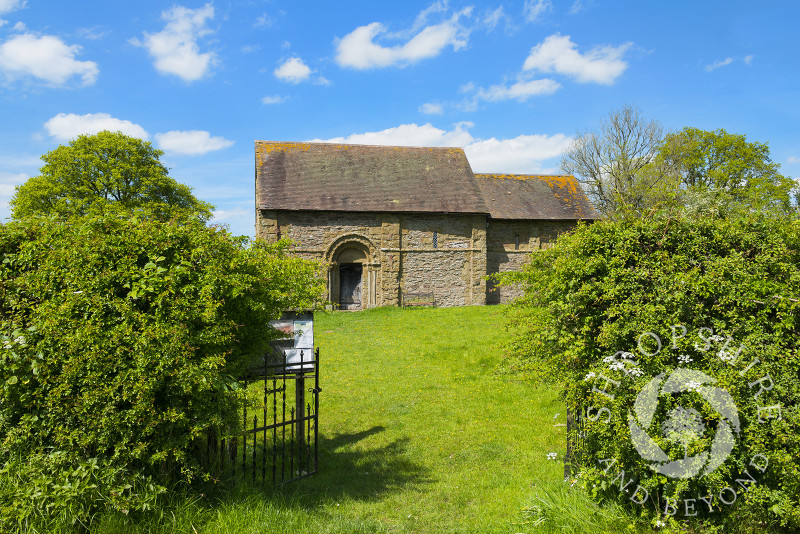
(350,286)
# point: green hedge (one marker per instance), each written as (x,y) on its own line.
(592,309)
(120,340)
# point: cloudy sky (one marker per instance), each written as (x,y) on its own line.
(510,81)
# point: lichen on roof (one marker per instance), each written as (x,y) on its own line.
(543,196)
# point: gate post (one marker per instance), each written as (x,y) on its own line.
(300,412)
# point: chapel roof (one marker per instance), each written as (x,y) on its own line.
(338,177)
(341,177)
(527,196)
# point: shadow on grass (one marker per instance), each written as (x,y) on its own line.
(348,469)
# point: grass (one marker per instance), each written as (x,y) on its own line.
(417,434)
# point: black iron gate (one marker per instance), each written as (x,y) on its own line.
(576,437)
(279,440)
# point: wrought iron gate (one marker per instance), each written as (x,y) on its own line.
(576,437)
(279,440)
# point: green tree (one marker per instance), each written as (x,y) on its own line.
(120,343)
(106,173)
(615,163)
(723,171)
(589,300)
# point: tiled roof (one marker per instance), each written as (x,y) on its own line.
(333,177)
(522,196)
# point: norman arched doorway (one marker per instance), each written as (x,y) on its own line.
(352,274)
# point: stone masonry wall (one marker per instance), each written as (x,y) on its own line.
(509,245)
(403,259)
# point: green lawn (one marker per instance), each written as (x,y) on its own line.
(417,434)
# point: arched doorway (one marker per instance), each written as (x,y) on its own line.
(351,278)
(352,273)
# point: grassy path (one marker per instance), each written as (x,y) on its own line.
(417,435)
(420,434)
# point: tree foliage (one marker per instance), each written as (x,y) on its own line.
(106,173)
(615,163)
(588,302)
(120,343)
(724,170)
(629,167)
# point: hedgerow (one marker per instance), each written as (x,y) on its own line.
(675,339)
(120,343)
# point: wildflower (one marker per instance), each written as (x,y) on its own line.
(589,375)
(551,455)
(684,358)
(693,385)
(627,355)
(636,372)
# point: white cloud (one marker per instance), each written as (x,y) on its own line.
(7,6)
(359,50)
(175,49)
(293,70)
(493,18)
(409,135)
(748,60)
(717,64)
(274,99)
(525,154)
(19,161)
(557,53)
(534,9)
(263,21)
(225,216)
(431,108)
(793,159)
(66,126)
(9,182)
(47,58)
(519,91)
(94,33)
(577,7)
(191,142)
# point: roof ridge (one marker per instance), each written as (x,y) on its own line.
(330,143)
(517,175)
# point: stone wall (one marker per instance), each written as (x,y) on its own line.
(412,253)
(509,244)
(400,254)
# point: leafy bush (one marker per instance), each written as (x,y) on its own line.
(56,492)
(592,309)
(120,339)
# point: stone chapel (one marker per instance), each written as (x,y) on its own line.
(391,221)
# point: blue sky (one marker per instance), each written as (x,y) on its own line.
(510,81)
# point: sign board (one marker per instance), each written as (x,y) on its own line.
(298,344)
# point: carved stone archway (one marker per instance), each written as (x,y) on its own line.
(352,273)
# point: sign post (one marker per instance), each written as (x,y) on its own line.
(297,353)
